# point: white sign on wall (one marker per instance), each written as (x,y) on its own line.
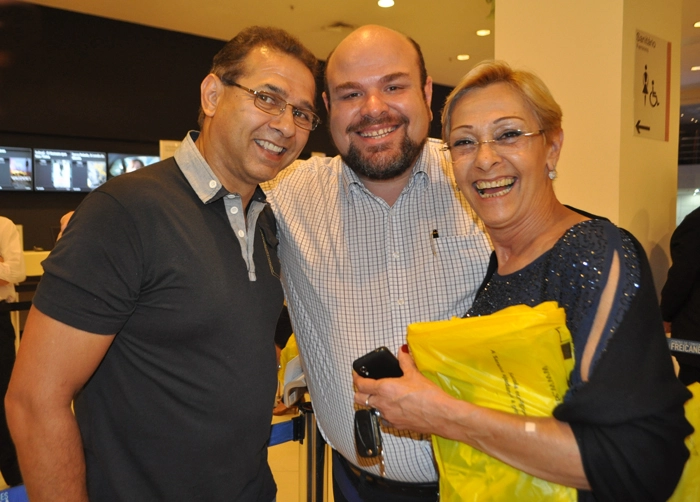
(652,77)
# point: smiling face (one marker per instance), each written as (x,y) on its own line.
(379,112)
(244,145)
(505,185)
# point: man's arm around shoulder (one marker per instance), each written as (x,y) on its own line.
(53,363)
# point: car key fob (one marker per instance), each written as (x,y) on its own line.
(368,438)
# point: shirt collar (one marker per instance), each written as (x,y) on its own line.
(200,176)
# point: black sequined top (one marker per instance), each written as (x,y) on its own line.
(628,417)
(573,273)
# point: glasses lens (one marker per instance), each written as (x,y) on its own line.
(269,103)
(508,140)
(275,105)
(306,119)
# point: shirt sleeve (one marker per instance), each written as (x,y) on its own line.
(92,278)
(628,418)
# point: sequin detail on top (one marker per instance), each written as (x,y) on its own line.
(573,273)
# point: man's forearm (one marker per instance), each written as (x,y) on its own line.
(50,453)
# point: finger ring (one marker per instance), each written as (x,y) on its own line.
(367,400)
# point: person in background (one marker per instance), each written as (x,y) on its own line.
(503,129)
(135,165)
(370,241)
(157,309)
(64,223)
(680,296)
(12,271)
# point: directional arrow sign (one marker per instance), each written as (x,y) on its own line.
(639,126)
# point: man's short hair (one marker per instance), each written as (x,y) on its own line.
(229,62)
(420,61)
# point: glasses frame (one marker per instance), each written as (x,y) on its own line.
(315,120)
(477,144)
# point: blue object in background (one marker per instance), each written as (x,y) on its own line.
(14,494)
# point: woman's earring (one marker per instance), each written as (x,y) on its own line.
(553,172)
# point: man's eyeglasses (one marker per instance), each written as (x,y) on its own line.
(465,148)
(275,105)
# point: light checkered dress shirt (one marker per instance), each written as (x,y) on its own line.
(357,272)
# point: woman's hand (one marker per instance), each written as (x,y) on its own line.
(405,402)
(541,446)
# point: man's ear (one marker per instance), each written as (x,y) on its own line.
(211,90)
(326,101)
(428,93)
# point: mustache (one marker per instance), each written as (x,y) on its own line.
(366,121)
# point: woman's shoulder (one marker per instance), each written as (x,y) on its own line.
(593,242)
(595,232)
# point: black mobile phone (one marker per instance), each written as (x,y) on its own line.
(380,363)
(368,436)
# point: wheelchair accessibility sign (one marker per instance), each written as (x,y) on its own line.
(652,77)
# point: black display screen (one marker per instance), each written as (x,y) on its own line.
(69,170)
(120,163)
(15,169)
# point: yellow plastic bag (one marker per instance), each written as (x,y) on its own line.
(689,485)
(517,360)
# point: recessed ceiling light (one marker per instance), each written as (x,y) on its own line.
(695,68)
(385,3)
(483,33)
(697,25)
(462,57)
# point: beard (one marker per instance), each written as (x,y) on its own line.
(380,162)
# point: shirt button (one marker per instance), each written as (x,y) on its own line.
(230,196)
(234,210)
(395,255)
(399,301)
(212,184)
(241,234)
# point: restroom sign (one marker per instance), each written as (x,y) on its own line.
(652,83)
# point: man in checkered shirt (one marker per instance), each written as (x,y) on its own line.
(371,241)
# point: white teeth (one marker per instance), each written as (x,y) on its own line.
(269,146)
(377,134)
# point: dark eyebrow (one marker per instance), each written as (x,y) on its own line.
(393,76)
(348,86)
(283,94)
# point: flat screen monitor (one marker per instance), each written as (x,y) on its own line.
(120,163)
(15,169)
(68,170)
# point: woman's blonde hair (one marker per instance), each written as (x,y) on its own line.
(531,87)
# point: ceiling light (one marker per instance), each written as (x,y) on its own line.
(483,33)
(697,191)
(385,3)
(462,57)
(695,68)
(697,25)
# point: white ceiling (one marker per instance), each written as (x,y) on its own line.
(443,28)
